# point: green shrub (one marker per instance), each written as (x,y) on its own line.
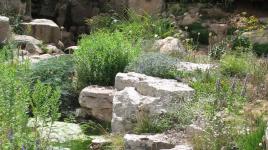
(145,124)
(58,72)
(16,97)
(241,44)
(154,64)
(101,56)
(95,127)
(233,65)
(260,49)
(146,27)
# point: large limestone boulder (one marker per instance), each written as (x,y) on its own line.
(4,28)
(127,104)
(145,142)
(140,94)
(169,45)
(146,6)
(98,101)
(258,36)
(43,29)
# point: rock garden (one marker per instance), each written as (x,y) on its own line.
(133,75)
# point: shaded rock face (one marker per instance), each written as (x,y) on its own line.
(75,10)
(4,28)
(139,94)
(17,6)
(146,6)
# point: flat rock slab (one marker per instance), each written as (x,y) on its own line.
(188,66)
(152,86)
(60,131)
(145,142)
(181,147)
(99,141)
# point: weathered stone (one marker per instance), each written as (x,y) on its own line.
(258,36)
(193,130)
(53,49)
(43,29)
(99,100)
(71,49)
(169,45)
(99,141)
(33,48)
(126,106)
(4,28)
(143,94)
(151,7)
(24,39)
(83,112)
(188,66)
(37,58)
(152,86)
(28,43)
(67,39)
(220,30)
(59,131)
(145,142)
(189,19)
(181,147)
